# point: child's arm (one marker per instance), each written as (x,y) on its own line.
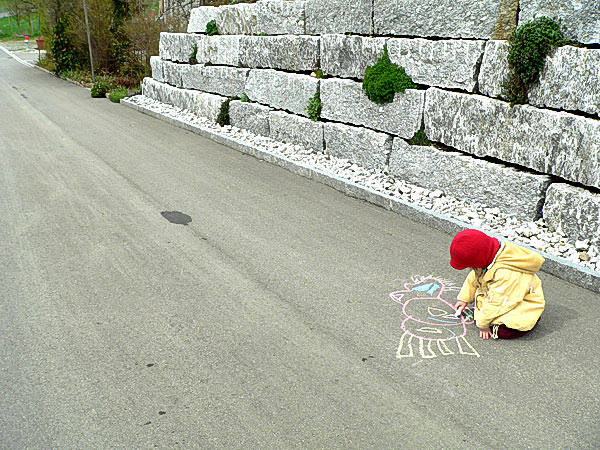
(459,306)
(467,292)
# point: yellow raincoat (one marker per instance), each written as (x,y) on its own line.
(509,293)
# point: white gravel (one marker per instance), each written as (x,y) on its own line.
(534,234)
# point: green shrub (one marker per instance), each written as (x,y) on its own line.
(384,79)
(314,108)
(211,28)
(244,98)
(99,89)
(420,138)
(119,94)
(192,58)
(223,117)
(528,47)
(62,48)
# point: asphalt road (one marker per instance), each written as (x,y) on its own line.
(266,322)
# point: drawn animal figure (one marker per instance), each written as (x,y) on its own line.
(430,323)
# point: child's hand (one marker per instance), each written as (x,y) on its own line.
(460,305)
(485,333)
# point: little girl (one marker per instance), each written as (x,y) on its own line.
(503,283)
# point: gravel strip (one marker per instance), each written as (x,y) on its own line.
(533,234)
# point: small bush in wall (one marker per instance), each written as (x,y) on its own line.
(384,79)
(211,28)
(528,47)
(317,73)
(244,98)
(314,108)
(192,58)
(420,138)
(223,117)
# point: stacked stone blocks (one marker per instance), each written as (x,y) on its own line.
(268,50)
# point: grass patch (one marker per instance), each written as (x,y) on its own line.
(118,94)
(10,29)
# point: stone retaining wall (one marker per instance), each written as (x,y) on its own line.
(528,160)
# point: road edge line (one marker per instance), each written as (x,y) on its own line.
(15,57)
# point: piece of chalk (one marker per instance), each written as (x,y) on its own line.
(458,311)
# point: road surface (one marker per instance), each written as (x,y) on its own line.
(265,322)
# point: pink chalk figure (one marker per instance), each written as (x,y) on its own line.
(431,324)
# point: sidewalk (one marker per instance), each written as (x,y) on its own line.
(19,48)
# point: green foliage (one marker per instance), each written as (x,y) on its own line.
(119,94)
(420,138)
(192,58)
(11,29)
(65,54)
(120,60)
(211,28)
(244,98)
(319,73)
(223,117)
(314,108)
(384,79)
(528,47)
(99,89)
(121,12)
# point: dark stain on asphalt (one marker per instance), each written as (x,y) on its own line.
(18,89)
(149,365)
(364,359)
(176,217)
(147,423)
(162,413)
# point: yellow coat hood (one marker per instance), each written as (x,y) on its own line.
(517,258)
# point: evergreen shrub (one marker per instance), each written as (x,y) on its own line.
(64,52)
(528,47)
(384,79)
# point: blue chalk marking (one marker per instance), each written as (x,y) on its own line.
(430,288)
(434,288)
(450,331)
(442,321)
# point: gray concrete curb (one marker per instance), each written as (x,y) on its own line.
(559,267)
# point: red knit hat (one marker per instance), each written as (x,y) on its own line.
(472,248)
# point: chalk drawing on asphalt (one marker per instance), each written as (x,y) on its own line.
(430,327)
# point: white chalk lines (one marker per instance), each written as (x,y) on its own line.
(430,326)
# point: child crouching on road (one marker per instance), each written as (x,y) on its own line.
(503,283)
